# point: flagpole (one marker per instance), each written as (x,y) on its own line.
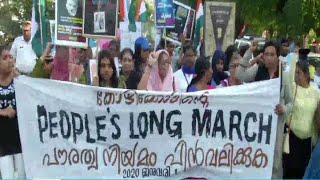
(165,32)
(40,19)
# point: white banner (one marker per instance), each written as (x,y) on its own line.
(74,131)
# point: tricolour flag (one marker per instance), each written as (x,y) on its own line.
(142,14)
(39,27)
(199,24)
(124,9)
(137,12)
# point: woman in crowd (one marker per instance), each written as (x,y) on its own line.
(10,146)
(107,72)
(142,51)
(158,75)
(232,80)
(313,169)
(129,78)
(218,68)
(300,121)
(229,54)
(4,54)
(265,68)
(259,71)
(61,64)
(203,76)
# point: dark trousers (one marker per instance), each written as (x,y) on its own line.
(295,163)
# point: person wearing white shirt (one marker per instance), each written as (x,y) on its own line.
(187,72)
(22,50)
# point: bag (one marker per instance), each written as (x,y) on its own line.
(286,141)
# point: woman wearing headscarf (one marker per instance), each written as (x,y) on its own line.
(218,68)
(299,119)
(107,71)
(61,64)
(10,145)
(158,75)
(203,76)
(129,78)
(264,69)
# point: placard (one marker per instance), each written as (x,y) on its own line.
(219,27)
(100,18)
(164,14)
(69,21)
(129,38)
(183,23)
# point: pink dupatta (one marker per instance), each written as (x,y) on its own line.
(155,83)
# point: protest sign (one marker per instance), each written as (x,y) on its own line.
(219,25)
(164,14)
(72,131)
(190,24)
(93,69)
(128,38)
(183,23)
(69,20)
(100,18)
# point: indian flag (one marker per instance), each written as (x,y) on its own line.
(142,14)
(124,9)
(137,12)
(199,24)
(39,27)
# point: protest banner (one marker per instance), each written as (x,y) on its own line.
(92,132)
(181,13)
(164,14)
(219,28)
(100,18)
(69,20)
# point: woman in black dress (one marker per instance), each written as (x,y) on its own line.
(10,146)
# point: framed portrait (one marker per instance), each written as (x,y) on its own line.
(184,23)
(69,22)
(100,18)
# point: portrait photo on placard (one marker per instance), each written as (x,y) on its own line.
(181,13)
(100,18)
(68,23)
(99,22)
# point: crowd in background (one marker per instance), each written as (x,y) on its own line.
(169,68)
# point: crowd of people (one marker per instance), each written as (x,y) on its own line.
(165,70)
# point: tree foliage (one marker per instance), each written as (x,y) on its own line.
(281,18)
(13,12)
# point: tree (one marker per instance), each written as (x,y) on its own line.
(13,12)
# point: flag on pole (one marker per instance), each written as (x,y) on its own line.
(137,12)
(132,16)
(124,9)
(199,24)
(142,14)
(39,27)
